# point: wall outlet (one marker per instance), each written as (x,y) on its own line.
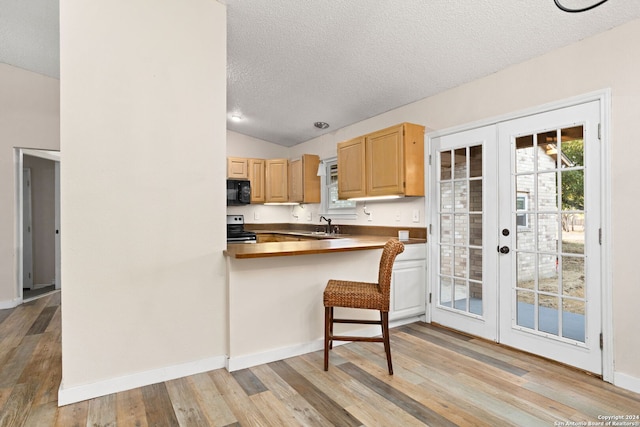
(398,216)
(370,216)
(416,215)
(309,216)
(256,215)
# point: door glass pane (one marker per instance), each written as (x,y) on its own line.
(475,265)
(573,322)
(460,163)
(446,228)
(446,260)
(547,191)
(548,314)
(572,147)
(445,165)
(525,192)
(548,273)
(573,234)
(525,302)
(526,273)
(446,287)
(446,196)
(548,229)
(525,232)
(461,295)
(475,161)
(461,227)
(475,298)
(572,190)
(573,276)
(524,154)
(547,150)
(460,262)
(475,196)
(461,195)
(475,230)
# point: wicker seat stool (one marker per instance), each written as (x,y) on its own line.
(363,295)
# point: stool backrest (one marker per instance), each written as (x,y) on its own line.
(391,249)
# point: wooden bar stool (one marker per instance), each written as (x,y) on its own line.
(370,296)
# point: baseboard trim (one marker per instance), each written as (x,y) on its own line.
(248,361)
(11,303)
(626,381)
(70,395)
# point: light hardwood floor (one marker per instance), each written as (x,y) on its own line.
(441,379)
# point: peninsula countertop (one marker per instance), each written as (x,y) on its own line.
(337,243)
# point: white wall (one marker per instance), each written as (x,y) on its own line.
(143,100)
(29,118)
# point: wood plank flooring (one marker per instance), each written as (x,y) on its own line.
(441,379)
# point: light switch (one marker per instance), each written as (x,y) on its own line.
(256,215)
(416,215)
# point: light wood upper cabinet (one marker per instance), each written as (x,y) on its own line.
(304,182)
(257,178)
(393,163)
(351,168)
(237,168)
(276,183)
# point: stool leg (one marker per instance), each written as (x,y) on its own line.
(327,333)
(384,317)
(331,328)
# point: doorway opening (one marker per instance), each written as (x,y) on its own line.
(516,253)
(38,223)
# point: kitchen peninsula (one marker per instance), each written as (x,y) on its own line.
(275,291)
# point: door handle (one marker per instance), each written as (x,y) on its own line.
(503,250)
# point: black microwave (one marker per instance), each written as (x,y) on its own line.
(238,192)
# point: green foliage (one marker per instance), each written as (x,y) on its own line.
(573,181)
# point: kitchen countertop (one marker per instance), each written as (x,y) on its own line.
(342,243)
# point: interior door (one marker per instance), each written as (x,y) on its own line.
(549,213)
(464,220)
(27,231)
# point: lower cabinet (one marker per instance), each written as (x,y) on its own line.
(408,283)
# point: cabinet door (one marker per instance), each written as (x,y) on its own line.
(257,178)
(276,185)
(384,162)
(237,168)
(351,170)
(310,178)
(296,185)
(408,289)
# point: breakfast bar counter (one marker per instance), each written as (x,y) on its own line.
(275,297)
(338,243)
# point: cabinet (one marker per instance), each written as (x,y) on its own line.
(304,182)
(351,169)
(408,283)
(276,180)
(257,179)
(237,168)
(382,163)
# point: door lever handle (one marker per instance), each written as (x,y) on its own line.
(503,250)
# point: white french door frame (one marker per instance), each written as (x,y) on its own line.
(604,99)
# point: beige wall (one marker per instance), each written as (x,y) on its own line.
(143,100)
(608,60)
(29,118)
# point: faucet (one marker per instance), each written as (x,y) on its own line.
(328,224)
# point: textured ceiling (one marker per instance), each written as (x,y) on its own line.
(292,63)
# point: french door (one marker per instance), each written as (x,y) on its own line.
(515,237)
